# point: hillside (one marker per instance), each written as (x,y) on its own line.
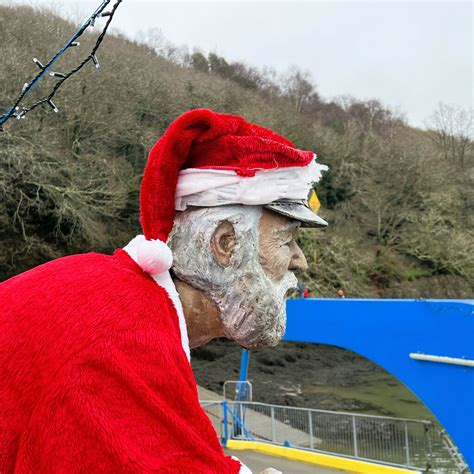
(400,212)
(399,201)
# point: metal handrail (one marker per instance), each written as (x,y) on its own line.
(401,442)
(454,452)
(361,415)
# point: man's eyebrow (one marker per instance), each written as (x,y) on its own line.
(291,227)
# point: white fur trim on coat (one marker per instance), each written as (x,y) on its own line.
(155,258)
(243,468)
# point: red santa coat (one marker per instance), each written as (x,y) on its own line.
(93,377)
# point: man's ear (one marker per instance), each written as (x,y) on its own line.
(223,243)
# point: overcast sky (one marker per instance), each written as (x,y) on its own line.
(410,55)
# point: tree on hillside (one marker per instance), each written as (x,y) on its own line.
(452,131)
(199,61)
(218,65)
(371,115)
(246,76)
(299,87)
(155,39)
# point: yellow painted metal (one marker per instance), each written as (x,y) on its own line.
(313,201)
(326,460)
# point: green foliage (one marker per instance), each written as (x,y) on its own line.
(335,261)
(334,189)
(400,214)
(218,65)
(199,62)
(443,248)
(412,274)
(246,77)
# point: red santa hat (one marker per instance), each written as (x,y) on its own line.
(208,159)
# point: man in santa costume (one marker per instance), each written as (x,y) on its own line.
(94,349)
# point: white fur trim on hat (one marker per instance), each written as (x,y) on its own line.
(209,187)
(155,258)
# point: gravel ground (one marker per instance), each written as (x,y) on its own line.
(285,375)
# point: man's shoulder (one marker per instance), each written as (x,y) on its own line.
(66,264)
(78,301)
(92,284)
(75,269)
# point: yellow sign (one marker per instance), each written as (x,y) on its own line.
(313,201)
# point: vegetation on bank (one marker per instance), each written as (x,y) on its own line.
(399,200)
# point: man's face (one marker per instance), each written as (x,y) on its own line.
(253,309)
(278,249)
(247,272)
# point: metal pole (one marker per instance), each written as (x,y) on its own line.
(407,446)
(243,386)
(272,413)
(244,370)
(354,433)
(241,421)
(430,445)
(310,421)
(224,419)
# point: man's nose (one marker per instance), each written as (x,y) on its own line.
(298,260)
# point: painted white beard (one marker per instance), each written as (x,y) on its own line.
(252,306)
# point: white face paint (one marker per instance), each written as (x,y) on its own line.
(252,306)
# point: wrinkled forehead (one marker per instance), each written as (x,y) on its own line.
(248,221)
(277,225)
(201,222)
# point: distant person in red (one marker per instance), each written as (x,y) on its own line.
(306,293)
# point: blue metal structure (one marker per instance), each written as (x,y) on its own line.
(243,375)
(396,334)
